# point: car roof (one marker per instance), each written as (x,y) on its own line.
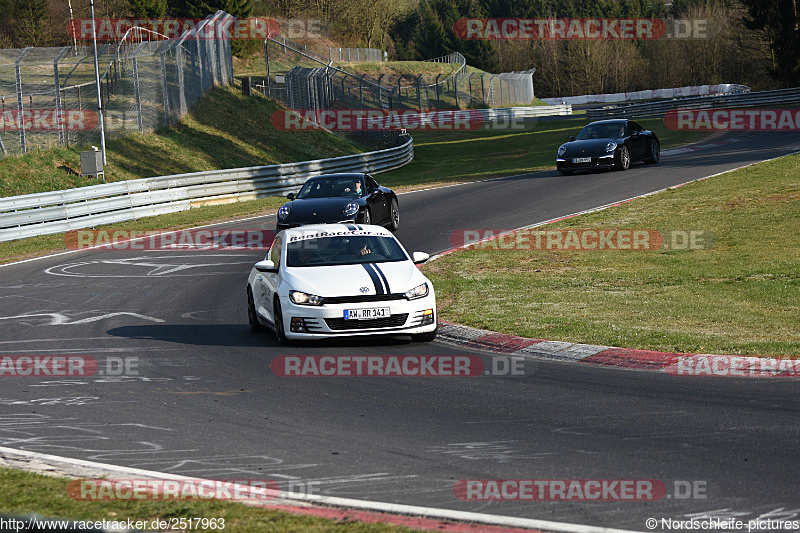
(350,175)
(313,231)
(610,121)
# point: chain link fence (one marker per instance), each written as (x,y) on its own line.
(304,80)
(48,96)
(356,55)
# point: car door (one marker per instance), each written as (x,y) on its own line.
(377,200)
(638,141)
(267,282)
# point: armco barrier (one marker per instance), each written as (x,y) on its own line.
(60,211)
(657,109)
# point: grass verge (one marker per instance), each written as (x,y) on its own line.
(22,493)
(739,296)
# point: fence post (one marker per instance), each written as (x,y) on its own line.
(57,84)
(436,86)
(165,95)
(18,84)
(138,94)
(419,92)
(182,108)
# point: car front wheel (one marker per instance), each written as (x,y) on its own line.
(252,315)
(278,317)
(655,152)
(366,218)
(623,158)
(394,213)
(425,337)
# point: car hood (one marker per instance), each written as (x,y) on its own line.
(355,280)
(311,210)
(588,147)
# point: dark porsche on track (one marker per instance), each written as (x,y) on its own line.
(612,143)
(334,198)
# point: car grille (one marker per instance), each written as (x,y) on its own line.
(338,324)
(362,298)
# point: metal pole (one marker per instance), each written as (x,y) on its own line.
(97,83)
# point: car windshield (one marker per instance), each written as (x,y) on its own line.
(602,131)
(348,187)
(350,250)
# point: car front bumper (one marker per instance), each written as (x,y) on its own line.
(407,317)
(566,163)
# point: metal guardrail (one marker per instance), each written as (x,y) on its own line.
(47,213)
(506,113)
(659,108)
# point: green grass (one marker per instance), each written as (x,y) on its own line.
(224,130)
(482,154)
(23,493)
(738,297)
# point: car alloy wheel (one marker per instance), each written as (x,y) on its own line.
(623,158)
(366,218)
(655,152)
(395,214)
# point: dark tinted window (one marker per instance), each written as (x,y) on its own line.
(343,251)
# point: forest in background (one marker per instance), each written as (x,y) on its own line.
(751,42)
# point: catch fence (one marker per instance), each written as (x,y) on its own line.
(48,96)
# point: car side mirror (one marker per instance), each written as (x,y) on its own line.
(266,266)
(419,257)
(290,196)
(571,138)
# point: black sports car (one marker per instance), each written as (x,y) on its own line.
(612,143)
(333,198)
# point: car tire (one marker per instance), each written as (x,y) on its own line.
(425,337)
(366,218)
(623,158)
(277,316)
(655,152)
(394,215)
(566,172)
(252,315)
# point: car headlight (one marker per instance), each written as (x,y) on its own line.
(302,298)
(351,209)
(420,291)
(610,147)
(562,149)
(284,211)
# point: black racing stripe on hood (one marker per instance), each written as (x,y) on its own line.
(383,278)
(376,281)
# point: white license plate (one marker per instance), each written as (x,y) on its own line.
(582,160)
(367,314)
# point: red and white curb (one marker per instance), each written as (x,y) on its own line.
(345,509)
(674,363)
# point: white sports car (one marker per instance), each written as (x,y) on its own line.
(340,279)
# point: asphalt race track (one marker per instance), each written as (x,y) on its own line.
(206,403)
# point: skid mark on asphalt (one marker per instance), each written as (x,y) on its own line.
(500,451)
(148,267)
(63,318)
